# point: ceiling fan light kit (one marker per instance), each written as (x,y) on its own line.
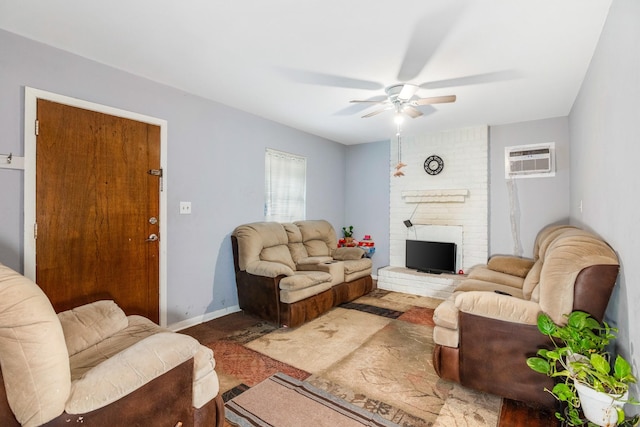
(402,98)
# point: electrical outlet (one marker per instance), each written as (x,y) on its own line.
(185,208)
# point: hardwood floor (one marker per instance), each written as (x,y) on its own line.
(517,414)
(514,414)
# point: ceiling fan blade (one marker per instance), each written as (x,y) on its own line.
(411,111)
(429,32)
(324,79)
(491,77)
(407,92)
(434,100)
(378,112)
(352,109)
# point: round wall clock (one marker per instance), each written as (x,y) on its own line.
(433,165)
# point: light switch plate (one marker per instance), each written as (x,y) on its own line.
(185,208)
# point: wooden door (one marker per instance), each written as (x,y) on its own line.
(95,208)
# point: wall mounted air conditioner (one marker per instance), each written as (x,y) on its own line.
(530,161)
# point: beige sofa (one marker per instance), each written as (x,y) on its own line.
(289,273)
(95,366)
(486,330)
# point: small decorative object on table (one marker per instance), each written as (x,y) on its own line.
(347,232)
(367,245)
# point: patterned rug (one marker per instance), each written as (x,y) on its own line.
(284,401)
(374,353)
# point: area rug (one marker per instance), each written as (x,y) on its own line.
(373,353)
(282,401)
(320,343)
(394,366)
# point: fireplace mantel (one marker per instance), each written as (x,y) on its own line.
(435,196)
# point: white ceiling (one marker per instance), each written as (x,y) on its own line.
(301,62)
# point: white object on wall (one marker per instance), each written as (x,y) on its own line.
(530,161)
(514,216)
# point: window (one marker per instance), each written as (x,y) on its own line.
(285,186)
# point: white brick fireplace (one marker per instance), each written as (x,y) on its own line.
(451,206)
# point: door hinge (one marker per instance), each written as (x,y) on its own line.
(35,230)
(155,172)
(37,127)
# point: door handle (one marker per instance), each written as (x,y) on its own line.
(152,238)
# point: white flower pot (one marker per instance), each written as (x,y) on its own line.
(599,408)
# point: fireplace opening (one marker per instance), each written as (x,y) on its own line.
(431,257)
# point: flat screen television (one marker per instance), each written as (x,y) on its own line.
(431,257)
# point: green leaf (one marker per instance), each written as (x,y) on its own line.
(622,369)
(620,414)
(552,355)
(542,352)
(600,363)
(538,364)
(562,391)
(545,324)
(578,319)
(591,323)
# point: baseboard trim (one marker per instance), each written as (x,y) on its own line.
(187,323)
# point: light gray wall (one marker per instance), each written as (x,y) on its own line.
(605,152)
(535,202)
(367,196)
(215,160)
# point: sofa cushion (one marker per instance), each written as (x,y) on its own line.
(33,353)
(129,370)
(546,236)
(89,324)
(446,314)
(347,254)
(445,336)
(138,328)
(304,279)
(482,272)
(565,257)
(512,265)
(354,269)
(269,269)
(292,296)
(279,254)
(262,241)
(296,247)
(481,285)
(205,380)
(531,282)
(313,260)
(318,236)
(334,268)
(500,307)
(303,284)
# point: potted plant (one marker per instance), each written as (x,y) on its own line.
(347,232)
(580,362)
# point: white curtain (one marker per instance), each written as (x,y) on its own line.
(285,186)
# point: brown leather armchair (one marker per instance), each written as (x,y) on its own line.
(487,329)
(96,366)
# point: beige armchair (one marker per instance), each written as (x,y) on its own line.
(96,366)
(487,329)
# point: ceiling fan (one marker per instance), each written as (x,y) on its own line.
(429,32)
(402,99)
